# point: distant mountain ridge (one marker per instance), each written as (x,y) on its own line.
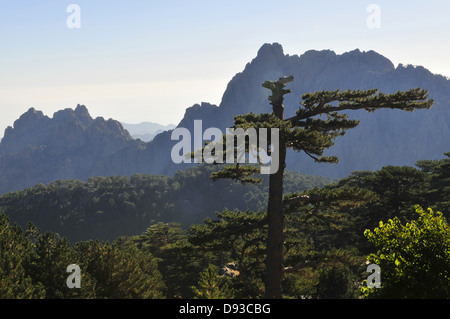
(40,149)
(383,138)
(386,137)
(146,131)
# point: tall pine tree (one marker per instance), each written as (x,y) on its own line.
(317,123)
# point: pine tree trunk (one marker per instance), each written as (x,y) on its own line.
(274,253)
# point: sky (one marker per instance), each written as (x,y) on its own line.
(145,60)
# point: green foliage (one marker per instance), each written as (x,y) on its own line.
(337,283)
(315,239)
(398,189)
(311,238)
(439,178)
(48,267)
(414,258)
(15,253)
(319,119)
(369,100)
(236,237)
(212,286)
(34,265)
(120,270)
(178,261)
(317,123)
(107,208)
(324,244)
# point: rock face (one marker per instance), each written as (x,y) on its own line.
(39,149)
(73,145)
(383,138)
(386,137)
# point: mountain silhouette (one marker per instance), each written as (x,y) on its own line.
(39,149)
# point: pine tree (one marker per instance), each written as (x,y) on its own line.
(15,254)
(212,286)
(317,123)
(439,172)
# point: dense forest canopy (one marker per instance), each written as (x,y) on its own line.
(327,241)
(105,208)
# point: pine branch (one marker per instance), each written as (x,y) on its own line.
(313,198)
(298,267)
(238,173)
(371,100)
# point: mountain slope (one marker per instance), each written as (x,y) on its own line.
(39,149)
(105,208)
(384,137)
(73,145)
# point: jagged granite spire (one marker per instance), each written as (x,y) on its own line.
(36,150)
(42,149)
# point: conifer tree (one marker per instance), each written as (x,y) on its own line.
(212,286)
(439,172)
(15,253)
(317,123)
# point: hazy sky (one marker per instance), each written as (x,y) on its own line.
(144,60)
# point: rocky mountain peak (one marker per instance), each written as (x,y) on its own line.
(29,118)
(374,61)
(65,146)
(82,110)
(73,145)
(270,50)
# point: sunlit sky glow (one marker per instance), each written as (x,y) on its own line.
(144,60)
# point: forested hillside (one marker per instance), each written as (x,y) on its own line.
(105,208)
(326,241)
